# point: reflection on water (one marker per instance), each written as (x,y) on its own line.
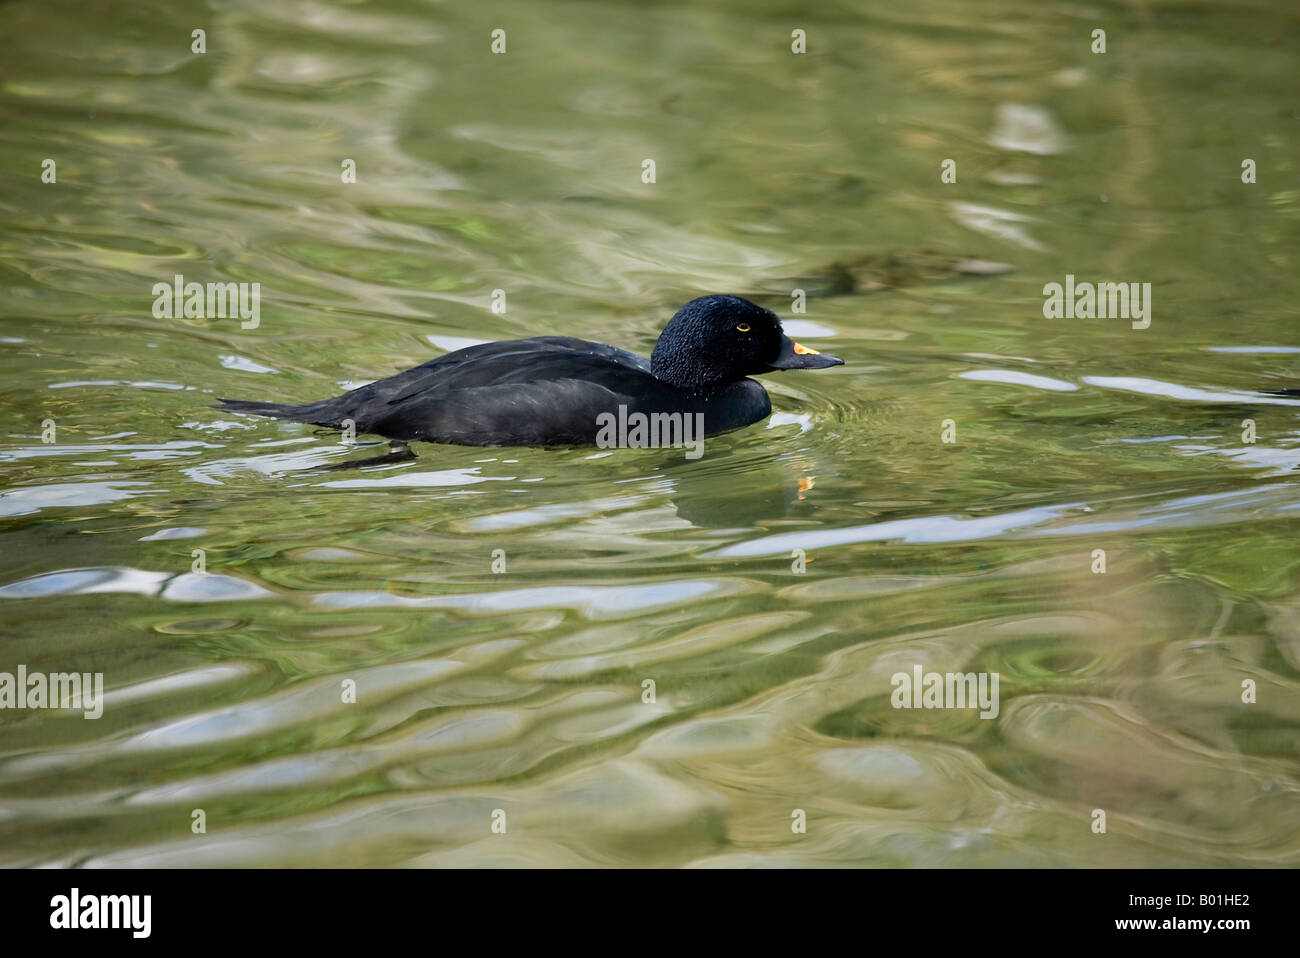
(643,659)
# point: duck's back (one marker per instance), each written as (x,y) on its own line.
(548,390)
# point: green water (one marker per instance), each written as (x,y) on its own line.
(522,691)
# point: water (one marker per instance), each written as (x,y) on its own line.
(523,691)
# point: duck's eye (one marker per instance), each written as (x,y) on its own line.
(743,327)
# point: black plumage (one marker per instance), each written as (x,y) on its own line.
(551,390)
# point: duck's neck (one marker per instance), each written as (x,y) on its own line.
(685,372)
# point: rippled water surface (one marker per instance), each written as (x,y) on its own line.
(525,691)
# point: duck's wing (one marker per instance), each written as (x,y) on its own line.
(542,358)
(545,390)
(486,365)
(540,387)
(517,360)
(543,413)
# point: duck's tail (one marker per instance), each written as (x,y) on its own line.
(323,413)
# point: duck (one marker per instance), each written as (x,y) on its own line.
(553,390)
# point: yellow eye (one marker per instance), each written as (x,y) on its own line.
(743,327)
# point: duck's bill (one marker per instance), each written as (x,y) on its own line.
(796,356)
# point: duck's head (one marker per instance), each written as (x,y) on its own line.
(716,340)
